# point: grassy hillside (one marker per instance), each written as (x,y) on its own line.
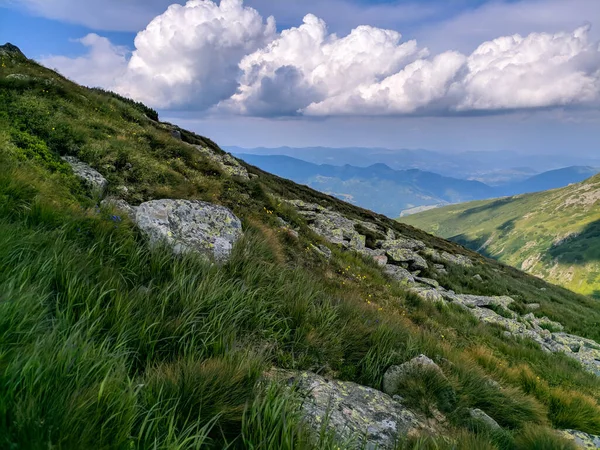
(554,234)
(108,343)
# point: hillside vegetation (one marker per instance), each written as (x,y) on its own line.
(554,235)
(108,342)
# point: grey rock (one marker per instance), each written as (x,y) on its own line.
(399,274)
(478,414)
(482,301)
(477,277)
(401,243)
(176,134)
(228,164)
(581,439)
(428,293)
(322,250)
(403,255)
(190,225)
(533,306)
(397,374)
(428,282)
(445,257)
(441,269)
(355,414)
(381,260)
(91,177)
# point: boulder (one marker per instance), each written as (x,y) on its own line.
(477,277)
(428,281)
(581,439)
(359,416)
(396,374)
(483,301)
(479,415)
(445,257)
(176,134)
(428,293)
(190,225)
(401,243)
(533,306)
(399,274)
(91,177)
(402,255)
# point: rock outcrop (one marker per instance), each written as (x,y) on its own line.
(228,164)
(188,225)
(403,259)
(359,416)
(91,177)
(581,439)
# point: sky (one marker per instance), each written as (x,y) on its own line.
(446,75)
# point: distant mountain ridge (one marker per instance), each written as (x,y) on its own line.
(399,192)
(377,187)
(493,168)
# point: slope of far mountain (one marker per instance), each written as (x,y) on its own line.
(549,180)
(554,234)
(156,292)
(377,187)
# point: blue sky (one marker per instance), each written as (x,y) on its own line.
(305,86)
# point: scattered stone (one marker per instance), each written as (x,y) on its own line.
(477,277)
(396,374)
(322,250)
(399,274)
(401,244)
(91,177)
(478,414)
(440,268)
(359,416)
(428,282)
(482,301)
(581,439)
(533,306)
(381,260)
(428,294)
(228,164)
(190,225)
(414,260)
(441,257)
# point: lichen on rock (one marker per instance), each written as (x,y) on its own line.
(190,225)
(91,177)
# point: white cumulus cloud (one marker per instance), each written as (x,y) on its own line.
(100,67)
(225,57)
(190,54)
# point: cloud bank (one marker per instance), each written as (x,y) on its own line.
(227,58)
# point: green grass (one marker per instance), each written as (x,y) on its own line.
(554,235)
(106,343)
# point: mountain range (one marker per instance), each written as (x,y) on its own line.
(493,168)
(399,192)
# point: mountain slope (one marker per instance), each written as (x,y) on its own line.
(552,234)
(549,180)
(110,339)
(377,187)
